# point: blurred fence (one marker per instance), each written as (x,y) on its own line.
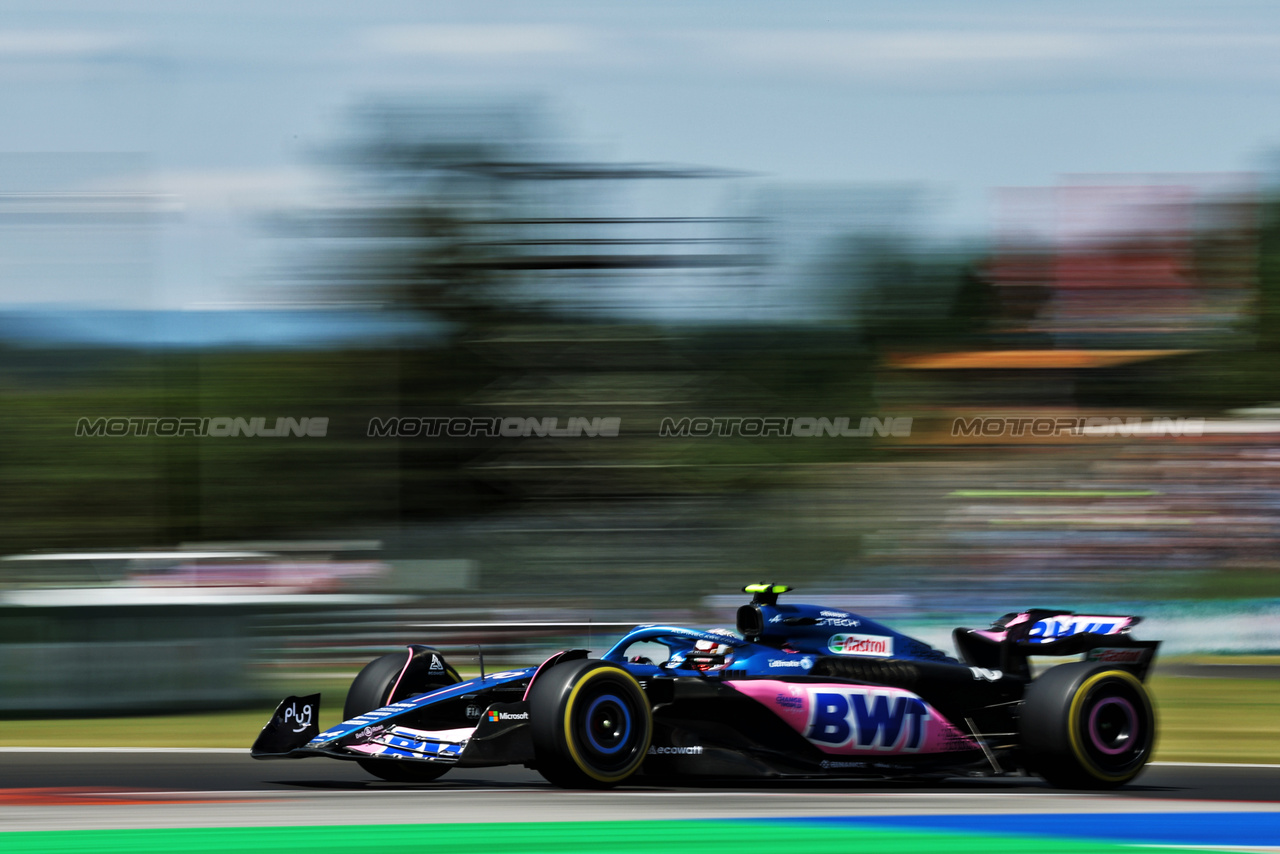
(87,660)
(137,676)
(338,643)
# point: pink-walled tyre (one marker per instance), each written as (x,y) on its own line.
(1087,726)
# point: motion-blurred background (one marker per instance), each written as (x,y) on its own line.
(593,314)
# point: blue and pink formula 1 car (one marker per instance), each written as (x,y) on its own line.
(799,691)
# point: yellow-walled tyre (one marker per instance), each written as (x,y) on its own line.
(1087,726)
(591,724)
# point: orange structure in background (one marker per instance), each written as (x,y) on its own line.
(1027,359)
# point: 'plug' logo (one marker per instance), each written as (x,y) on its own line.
(301,717)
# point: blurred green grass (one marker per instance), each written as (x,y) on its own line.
(1201,720)
(1217,720)
(578,837)
(1262,582)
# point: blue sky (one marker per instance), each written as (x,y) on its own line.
(221,107)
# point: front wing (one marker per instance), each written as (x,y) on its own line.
(499,738)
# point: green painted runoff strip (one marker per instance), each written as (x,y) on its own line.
(1050,493)
(594,837)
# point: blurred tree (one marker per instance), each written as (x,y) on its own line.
(472,221)
(973,311)
(466,216)
(1268,306)
(908,297)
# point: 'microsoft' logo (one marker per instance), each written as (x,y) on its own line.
(508,716)
(874,646)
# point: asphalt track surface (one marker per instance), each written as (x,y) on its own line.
(42,789)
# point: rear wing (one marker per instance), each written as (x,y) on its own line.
(1015,637)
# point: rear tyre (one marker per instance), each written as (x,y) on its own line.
(1085,726)
(591,724)
(371,690)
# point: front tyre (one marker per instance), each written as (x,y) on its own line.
(591,724)
(1085,726)
(371,690)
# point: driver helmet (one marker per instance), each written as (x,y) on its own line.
(715,648)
